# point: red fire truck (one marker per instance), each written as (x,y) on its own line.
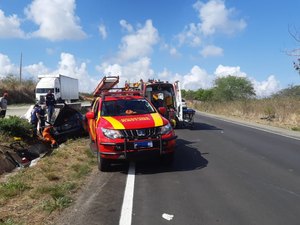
(123,124)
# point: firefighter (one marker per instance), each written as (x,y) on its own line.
(156,101)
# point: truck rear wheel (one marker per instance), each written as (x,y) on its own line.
(103,164)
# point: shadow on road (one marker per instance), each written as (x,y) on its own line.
(186,158)
(201,126)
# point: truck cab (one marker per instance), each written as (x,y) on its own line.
(46,84)
(124,125)
(64,88)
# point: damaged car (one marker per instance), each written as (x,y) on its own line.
(69,123)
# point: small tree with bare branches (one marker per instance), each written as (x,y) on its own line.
(294,32)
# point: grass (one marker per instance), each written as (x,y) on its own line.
(14,186)
(57,203)
(296,128)
(279,112)
(37,194)
(10,222)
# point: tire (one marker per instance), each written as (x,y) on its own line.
(103,164)
(178,123)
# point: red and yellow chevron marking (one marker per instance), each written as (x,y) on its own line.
(157,119)
(131,122)
(115,123)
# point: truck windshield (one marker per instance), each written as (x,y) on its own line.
(44,90)
(126,107)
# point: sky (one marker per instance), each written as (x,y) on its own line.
(192,41)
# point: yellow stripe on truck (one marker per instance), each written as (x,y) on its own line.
(157,119)
(115,123)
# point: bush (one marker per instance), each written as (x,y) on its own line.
(19,92)
(15,127)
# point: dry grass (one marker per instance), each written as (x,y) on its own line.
(279,112)
(35,195)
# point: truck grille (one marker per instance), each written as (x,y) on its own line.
(141,133)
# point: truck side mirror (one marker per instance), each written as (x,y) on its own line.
(90,115)
(162,110)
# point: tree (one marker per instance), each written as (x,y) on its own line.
(233,88)
(291,91)
(295,52)
(204,94)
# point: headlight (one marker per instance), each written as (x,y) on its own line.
(166,129)
(112,134)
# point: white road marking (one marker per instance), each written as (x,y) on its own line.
(167,216)
(126,212)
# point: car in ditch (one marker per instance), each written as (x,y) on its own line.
(124,125)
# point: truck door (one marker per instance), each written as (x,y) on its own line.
(92,123)
(178,103)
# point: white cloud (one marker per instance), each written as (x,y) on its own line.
(56,19)
(224,71)
(125,25)
(131,72)
(102,31)
(266,88)
(211,50)
(36,69)
(196,78)
(171,50)
(6,67)
(10,26)
(138,44)
(191,35)
(70,67)
(261,88)
(215,17)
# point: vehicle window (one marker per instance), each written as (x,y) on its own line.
(126,107)
(44,90)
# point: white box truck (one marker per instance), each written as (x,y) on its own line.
(64,88)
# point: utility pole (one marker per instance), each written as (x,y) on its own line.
(21,68)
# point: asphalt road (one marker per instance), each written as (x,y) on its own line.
(17,110)
(223,173)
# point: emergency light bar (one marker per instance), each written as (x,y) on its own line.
(118,92)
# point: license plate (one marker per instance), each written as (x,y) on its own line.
(143,144)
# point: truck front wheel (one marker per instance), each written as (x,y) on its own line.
(103,164)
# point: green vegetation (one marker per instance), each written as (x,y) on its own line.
(228,88)
(60,197)
(19,92)
(16,127)
(234,97)
(13,187)
(232,88)
(47,188)
(291,91)
(9,222)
